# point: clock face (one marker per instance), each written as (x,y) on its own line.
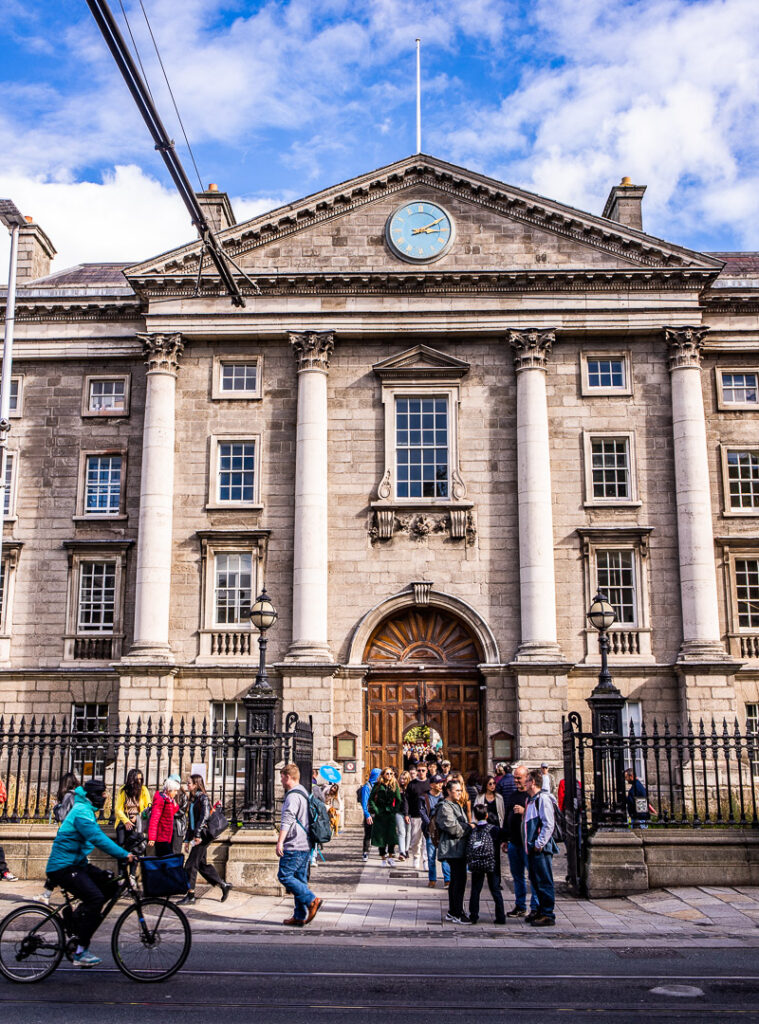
(419,232)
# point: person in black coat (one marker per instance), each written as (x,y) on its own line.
(198,841)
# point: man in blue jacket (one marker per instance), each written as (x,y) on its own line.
(68,867)
(363,795)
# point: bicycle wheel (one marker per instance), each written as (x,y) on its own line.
(31,943)
(151,940)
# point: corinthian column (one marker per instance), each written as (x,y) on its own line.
(537,586)
(313,350)
(153,588)
(698,577)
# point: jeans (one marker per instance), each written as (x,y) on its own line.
(293,874)
(457,886)
(92,887)
(432,863)
(494,884)
(404,834)
(196,862)
(518,864)
(540,868)
(367,837)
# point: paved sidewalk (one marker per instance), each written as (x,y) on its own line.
(369,901)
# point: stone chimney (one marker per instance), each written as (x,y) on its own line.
(217,208)
(35,253)
(624,204)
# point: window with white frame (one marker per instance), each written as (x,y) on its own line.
(236,377)
(106,396)
(227,720)
(747,593)
(102,485)
(741,480)
(421,447)
(97,597)
(16,398)
(609,469)
(234,472)
(89,744)
(95,603)
(605,374)
(9,500)
(632,727)
(752,734)
(233,574)
(737,389)
(615,576)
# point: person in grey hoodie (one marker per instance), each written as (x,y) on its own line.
(363,794)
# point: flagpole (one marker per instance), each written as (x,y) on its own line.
(418,98)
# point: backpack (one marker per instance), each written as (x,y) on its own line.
(480,851)
(319,826)
(559,821)
(433,832)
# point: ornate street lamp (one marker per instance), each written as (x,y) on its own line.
(260,738)
(606,705)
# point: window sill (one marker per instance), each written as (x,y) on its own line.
(240,397)
(105,415)
(234,506)
(606,392)
(740,513)
(100,519)
(599,503)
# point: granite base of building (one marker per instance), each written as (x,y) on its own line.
(624,863)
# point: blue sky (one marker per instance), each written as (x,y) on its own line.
(279,99)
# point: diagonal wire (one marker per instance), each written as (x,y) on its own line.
(136,49)
(174,102)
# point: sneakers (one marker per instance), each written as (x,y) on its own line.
(85,959)
(43,897)
(541,921)
(8,877)
(225,891)
(390,862)
(385,863)
(517,912)
(531,917)
(364,856)
(453,919)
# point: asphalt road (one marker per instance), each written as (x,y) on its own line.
(318,981)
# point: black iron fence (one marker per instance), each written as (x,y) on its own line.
(238,761)
(659,777)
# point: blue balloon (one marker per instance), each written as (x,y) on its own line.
(330,774)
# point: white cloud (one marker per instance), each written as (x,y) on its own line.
(127,217)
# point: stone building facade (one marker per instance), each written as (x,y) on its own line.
(449,411)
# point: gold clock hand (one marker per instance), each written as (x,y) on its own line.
(427,228)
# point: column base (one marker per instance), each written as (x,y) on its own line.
(149,654)
(539,651)
(703,651)
(308,651)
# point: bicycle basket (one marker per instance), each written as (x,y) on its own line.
(164,876)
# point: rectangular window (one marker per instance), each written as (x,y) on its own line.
(10,461)
(14,404)
(752,733)
(107,395)
(610,467)
(743,479)
(239,378)
(421,446)
(2,589)
(225,714)
(747,592)
(102,488)
(89,726)
(616,578)
(606,373)
(236,473)
(740,388)
(232,587)
(632,727)
(97,597)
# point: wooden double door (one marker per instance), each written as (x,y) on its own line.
(450,707)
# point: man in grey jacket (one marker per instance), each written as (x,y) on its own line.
(294,848)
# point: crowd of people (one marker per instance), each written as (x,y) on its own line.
(433,816)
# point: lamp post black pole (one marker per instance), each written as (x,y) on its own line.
(260,735)
(606,704)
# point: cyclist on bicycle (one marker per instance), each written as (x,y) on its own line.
(68,867)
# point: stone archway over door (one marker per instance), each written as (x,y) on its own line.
(423,671)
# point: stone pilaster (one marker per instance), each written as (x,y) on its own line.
(312,350)
(153,583)
(309,689)
(537,586)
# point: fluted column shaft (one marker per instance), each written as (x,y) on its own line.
(537,585)
(154,554)
(698,577)
(313,350)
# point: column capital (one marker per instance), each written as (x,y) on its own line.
(162,352)
(531,348)
(685,345)
(313,349)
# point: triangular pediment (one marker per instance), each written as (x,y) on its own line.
(498,229)
(420,362)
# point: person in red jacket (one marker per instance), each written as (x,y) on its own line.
(161,823)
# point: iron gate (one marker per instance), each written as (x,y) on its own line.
(574,804)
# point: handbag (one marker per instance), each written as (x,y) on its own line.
(217,823)
(164,876)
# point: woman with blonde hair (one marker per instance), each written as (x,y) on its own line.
(463,799)
(402,819)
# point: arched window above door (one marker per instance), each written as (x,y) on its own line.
(422,636)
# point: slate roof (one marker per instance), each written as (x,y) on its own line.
(85,275)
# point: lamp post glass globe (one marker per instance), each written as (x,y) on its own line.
(601,614)
(263,614)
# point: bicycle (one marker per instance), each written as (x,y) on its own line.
(150,941)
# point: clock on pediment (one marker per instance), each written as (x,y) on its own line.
(419,231)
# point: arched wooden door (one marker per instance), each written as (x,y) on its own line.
(423,671)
